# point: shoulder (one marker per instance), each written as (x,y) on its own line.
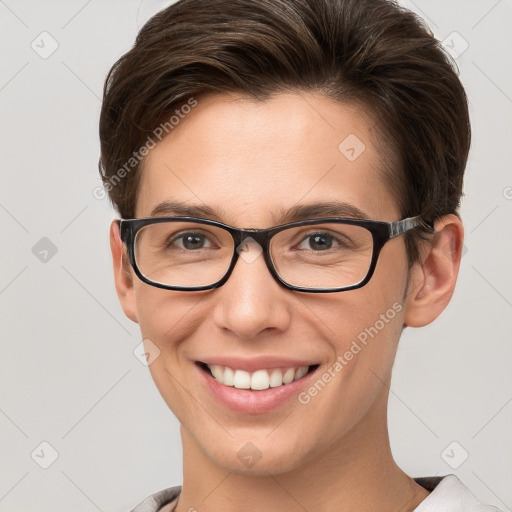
(449,493)
(156,501)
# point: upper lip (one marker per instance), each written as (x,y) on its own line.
(256,362)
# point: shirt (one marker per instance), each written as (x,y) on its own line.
(448,494)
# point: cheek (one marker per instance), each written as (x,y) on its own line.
(165,317)
(151,312)
(364,335)
(365,324)
(374,345)
(378,311)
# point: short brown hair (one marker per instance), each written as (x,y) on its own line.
(369,52)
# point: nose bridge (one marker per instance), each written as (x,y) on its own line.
(249,302)
(262,238)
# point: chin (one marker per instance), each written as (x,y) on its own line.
(259,457)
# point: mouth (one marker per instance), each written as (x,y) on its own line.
(258,380)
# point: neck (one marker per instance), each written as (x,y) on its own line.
(357,473)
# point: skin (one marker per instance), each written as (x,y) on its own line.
(332,453)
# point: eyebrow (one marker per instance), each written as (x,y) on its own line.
(279,216)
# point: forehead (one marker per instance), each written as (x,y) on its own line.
(252,160)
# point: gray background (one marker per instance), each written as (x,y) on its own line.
(68,374)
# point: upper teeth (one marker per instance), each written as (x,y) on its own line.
(258,380)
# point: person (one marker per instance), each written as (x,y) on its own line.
(288,176)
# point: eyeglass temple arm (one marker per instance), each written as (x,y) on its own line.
(401,226)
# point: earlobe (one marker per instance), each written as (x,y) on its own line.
(433,279)
(122,274)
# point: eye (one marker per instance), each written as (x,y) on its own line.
(190,241)
(321,242)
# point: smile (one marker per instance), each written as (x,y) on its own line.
(258,380)
(256,385)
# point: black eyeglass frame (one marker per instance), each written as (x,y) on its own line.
(381,233)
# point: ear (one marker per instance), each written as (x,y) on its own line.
(432,279)
(122,274)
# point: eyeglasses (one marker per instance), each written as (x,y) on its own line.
(315,255)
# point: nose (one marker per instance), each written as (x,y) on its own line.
(251,301)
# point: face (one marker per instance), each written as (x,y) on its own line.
(251,161)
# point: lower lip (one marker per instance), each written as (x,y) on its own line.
(254,402)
